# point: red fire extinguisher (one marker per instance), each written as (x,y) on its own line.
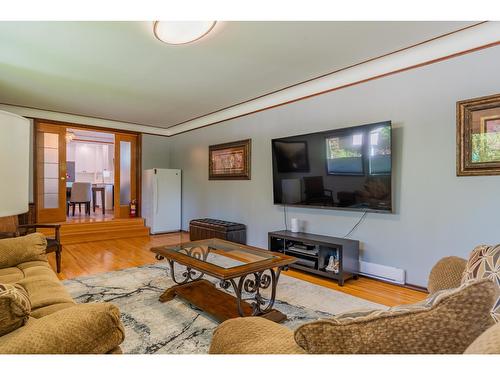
(133,208)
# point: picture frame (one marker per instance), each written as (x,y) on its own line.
(230,161)
(478,136)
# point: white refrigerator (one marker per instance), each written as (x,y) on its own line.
(161,199)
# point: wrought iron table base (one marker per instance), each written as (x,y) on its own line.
(248,300)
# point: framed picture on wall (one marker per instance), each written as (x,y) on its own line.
(478,136)
(230,161)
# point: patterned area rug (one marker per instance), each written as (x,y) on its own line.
(175,327)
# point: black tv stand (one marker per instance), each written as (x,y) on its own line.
(313,252)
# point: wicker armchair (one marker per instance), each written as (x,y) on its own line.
(454,319)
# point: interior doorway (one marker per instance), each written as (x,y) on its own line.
(89,163)
(84,174)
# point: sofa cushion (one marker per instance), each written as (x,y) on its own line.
(91,328)
(447,322)
(487,343)
(10,275)
(50,309)
(15,307)
(43,286)
(484,263)
(253,335)
(22,249)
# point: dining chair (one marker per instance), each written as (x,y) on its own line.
(81,192)
(316,193)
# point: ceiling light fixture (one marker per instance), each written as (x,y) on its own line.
(181,32)
(70,136)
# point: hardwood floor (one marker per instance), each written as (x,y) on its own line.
(78,232)
(110,255)
(366,288)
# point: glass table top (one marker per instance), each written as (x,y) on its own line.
(221,253)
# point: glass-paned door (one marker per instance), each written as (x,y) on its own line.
(125,175)
(50,144)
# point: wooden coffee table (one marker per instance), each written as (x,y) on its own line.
(248,270)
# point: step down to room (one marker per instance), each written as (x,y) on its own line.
(73,233)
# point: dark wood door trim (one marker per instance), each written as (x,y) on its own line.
(84,126)
(38,125)
(138,156)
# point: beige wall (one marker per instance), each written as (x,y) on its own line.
(436,212)
(155,151)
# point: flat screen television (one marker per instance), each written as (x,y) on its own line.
(349,168)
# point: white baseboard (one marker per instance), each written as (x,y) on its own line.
(379,271)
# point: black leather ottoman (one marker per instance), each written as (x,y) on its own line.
(201,229)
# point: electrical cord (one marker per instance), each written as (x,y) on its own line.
(284,216)
(357,224)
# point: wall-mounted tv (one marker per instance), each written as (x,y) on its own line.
(349,168)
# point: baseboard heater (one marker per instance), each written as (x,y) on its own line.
(381,272)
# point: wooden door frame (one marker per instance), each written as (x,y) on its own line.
(37,125)
(138,156)
(134,188)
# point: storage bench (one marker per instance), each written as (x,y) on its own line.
(201,229)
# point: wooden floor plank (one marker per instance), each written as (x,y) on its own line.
(111,255)
(85,230)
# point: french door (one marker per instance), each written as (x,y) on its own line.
(50,171)
(50,175)
(126,189)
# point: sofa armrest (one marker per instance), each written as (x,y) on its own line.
(91,328)
(446,274)
(446,323)
(14,251)
(253,335)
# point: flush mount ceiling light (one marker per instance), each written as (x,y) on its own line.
(181,32)
(70,136)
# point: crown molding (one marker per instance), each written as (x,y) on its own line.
(468,40)
(82,120)
(457,43)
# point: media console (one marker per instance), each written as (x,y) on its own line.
(314,253)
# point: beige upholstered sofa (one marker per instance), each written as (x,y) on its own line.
(456,318)
(37,315)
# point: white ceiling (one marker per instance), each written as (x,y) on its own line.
(119,71)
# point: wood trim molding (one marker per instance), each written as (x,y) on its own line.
(416,287)
(327,74)
(454,44)
(77,120)
(138,167)
(65,125)
(338,88)
(71,125)
(47,215)
(481,36)
(91,141)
